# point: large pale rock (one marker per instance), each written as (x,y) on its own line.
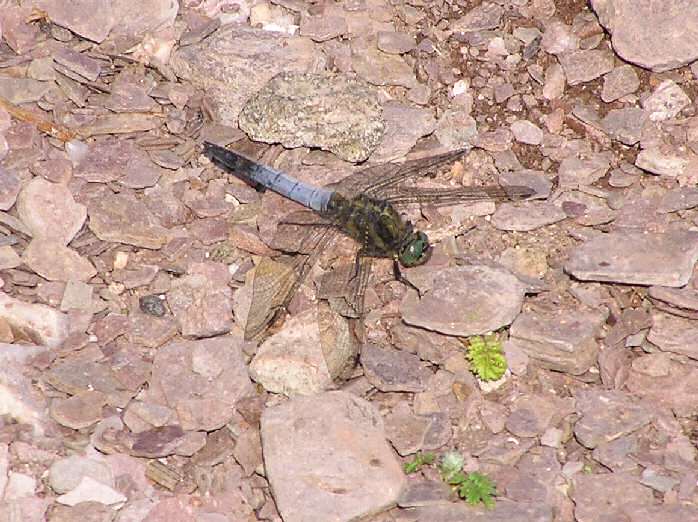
(49,211)
(56,262)
(335,113)
(291,361)
(656,35)
(42,323)
(19,398)
(354,472)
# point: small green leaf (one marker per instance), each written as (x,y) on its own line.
(419,460)
(486,358)
(477,488)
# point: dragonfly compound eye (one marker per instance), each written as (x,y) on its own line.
(416,251)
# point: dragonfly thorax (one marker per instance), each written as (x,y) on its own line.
(380,230)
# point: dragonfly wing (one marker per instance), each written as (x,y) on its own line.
(275,284)
(345,287)
(400,196)
(300,232)
(376,179)
(341,318)
(271,290)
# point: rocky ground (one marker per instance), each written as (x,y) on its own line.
(126,261)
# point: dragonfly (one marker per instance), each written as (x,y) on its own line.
(364,206)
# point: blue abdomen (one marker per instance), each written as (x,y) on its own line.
(253,173)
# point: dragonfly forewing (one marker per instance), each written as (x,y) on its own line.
(401,195)
(378,178)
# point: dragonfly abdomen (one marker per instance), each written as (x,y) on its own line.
(255,174)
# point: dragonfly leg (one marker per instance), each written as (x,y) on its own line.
(357,263)
(398,277)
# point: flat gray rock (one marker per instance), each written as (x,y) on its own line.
(531,415)
(583,169)
(23,90)
(487,15)
(404,125)
(656,39)
(79,411)
(456,128)
(123,218)
(663,259)
(44,323)
(664,160)
(19,395)
(424,493)
(681,198)
(332,112)
(405,430)
(323,27)
(76,377)
(659,380)
(354,471)
(504,511)
(524,218)
(554,86)
(95,19)
(201,380)
(584,66)
(608,414)
(115,159)
(621,81)
(559,38)
(237,61)
(617,454)
(395,43)
(674,334)
(393,370)
(625,125)
(202,301)
(9,188)
(379,68)
(665,513)
(564,340)
(686,298)
(463,301)
(525,131)
(605,496)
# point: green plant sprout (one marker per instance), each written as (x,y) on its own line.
(474,487)
(486,358)
(419,460)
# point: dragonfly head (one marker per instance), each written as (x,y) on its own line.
(415,250)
